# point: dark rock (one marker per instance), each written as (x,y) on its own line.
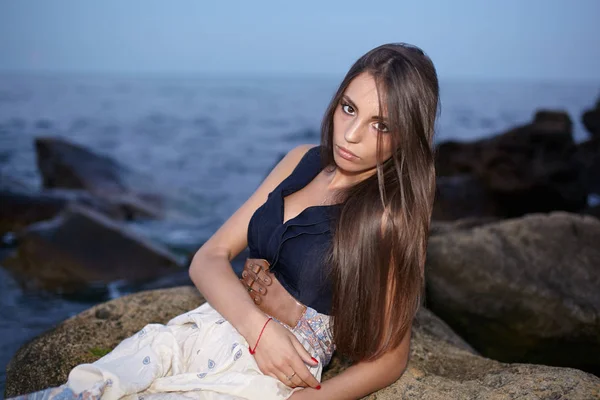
(591,120)
(20,208)
(531,168)
(592,210)
(522,290)
(588,155)
(81,248)
(67,165)
(457,158)
(441,364)
(549,122)
(462,196)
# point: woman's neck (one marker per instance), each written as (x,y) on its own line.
(338,178)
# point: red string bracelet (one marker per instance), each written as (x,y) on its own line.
(252,351)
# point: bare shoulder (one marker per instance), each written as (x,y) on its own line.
(231,238)
(285,167)
(300,150)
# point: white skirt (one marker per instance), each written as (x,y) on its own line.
(196,355)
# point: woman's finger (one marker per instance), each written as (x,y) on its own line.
(253,284)
(252,280)
(283,378)
(305,376)
(252,293)
(260,271)
(304,355)
(272,375)
(300,367)
(293,379)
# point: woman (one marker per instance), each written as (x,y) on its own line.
(337,236)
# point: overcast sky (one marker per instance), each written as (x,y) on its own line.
(497,39)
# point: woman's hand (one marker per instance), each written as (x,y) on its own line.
(269,294)
(256,278)
(279,354)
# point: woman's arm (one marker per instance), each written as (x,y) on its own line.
(211,269)
(213,275)
(364,377)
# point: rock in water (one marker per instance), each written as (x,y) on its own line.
(531,168)
(522,290)
(82,248)
(21,208)
(66,165)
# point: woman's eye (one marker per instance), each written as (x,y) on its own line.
(381,127)
(348,109)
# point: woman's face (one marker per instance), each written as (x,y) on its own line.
(356,126)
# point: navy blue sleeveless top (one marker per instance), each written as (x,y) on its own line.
(296,249)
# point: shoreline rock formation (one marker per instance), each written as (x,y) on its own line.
(522,290)
(441,364)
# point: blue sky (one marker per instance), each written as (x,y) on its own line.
(506,39)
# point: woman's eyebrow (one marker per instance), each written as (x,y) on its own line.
(374,117)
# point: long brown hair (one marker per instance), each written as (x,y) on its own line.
(377,255)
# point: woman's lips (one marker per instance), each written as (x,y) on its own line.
(346,154)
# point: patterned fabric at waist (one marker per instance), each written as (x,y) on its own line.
(313,329)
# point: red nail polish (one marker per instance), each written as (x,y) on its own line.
(315,360)
(319,387)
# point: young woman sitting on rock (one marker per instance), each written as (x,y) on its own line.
(337,235)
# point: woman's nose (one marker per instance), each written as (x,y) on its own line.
(353,132)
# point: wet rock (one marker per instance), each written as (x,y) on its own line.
(66,165)
(531,168)
(522,290)
(81,248)
(441,365)
(22,208)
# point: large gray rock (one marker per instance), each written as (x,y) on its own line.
(66,165)
(522,290)
(442,227)
(81,248)
(47,360)
(441,365)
